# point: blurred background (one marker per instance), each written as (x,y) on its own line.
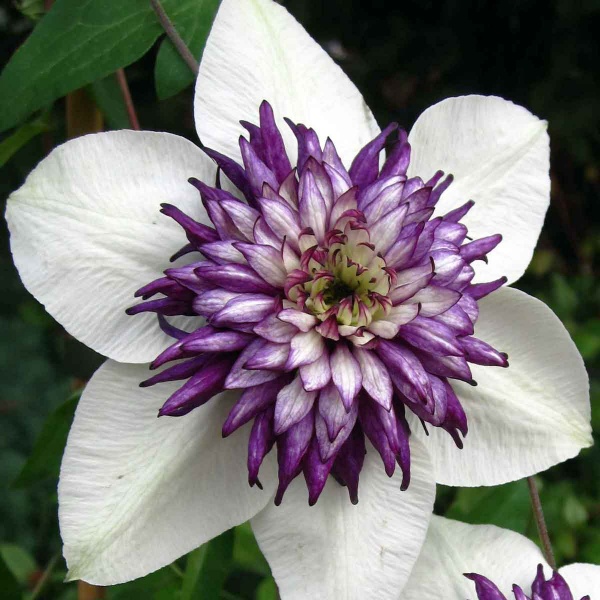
(403,56)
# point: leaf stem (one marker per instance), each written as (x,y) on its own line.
(87,591)
(174,36)
(43,580)
(133,119)
(538,513)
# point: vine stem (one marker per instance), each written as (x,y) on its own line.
(133,119)
(86,591)
(538,513)
(174,36)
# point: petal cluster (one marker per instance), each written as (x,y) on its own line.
(332,297)
(554,588)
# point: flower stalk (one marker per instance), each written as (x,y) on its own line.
(538,514)
(174,36)
(124,86)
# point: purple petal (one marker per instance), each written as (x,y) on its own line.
(432,337)
(272,356)
(235,278)
(349,462)
(329,447)
(245,308)
(196,233)
(303,321)
(375,377)
(346,374)
(240,377)
(406,371)
(282,219)
(209,339)
(305,348)
(291,448)
(275,330)
(386,231)
(316,472)
(313,210)
(435,300)
(260,443)
(365,167)
(198,389)
(485,589)
(316,375)
(253,401)
(275,154)
(257,172)
(293,404)
(266,261)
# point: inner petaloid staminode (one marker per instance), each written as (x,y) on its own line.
(335,299)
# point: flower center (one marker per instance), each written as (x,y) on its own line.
(345,279)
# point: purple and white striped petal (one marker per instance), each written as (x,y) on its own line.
(293,404)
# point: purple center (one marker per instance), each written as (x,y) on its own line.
(332,298)
(555,588)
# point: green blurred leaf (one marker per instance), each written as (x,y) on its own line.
(109,99)
(208,568)
(19,138)
(160,585)
(195,562)
(44,461)
(587,338)
(575,512)
(193,20)
(267,590)
(77,42)
(246,552)
(505,506)
(33,9)
(19,562)
(9,586)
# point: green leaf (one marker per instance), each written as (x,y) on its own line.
(160,585)
(195,562)
(109,99)
(44,461)
(208,567)
(19,138)
(193,20)
(8,583)
(32,9)
(246,552)
(505,506)
(77,42)
(19,562)
(267,590)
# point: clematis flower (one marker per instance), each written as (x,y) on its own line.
(504,562)
(325,292)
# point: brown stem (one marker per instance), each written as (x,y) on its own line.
(86,591)
(175,38)
(133,119)
(538,513)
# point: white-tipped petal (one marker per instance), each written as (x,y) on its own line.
(453,548)
(86,232)
(293,404)
(499,155)
(375,377)
(257,51)
(583,579)
(522,419)
(137,492)
(339,551)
